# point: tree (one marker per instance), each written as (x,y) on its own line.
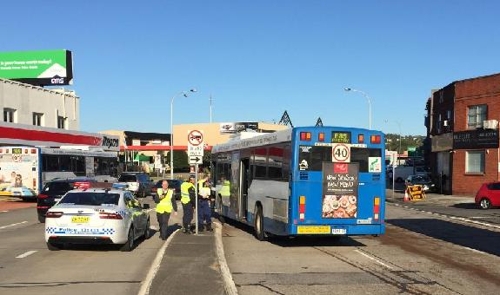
(181,161)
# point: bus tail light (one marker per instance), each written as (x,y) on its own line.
(34,182)
(302,208)
(321,136)
(305,136)
(376,208)
(53,214)
(375,139)
(33,151)
(361,138)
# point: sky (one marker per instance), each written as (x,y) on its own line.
(254,60)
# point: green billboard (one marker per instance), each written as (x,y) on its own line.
(46,67)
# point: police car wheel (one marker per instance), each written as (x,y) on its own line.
(129,245)
(54,247)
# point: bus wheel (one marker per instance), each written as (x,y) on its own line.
(259,225)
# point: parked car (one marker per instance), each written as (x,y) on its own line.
(53,190)
(423,180)
(172,183)
(138,183)
(488,195)
(97,216)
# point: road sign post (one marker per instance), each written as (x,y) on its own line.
(195,155)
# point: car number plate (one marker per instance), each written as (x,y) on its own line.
(313,229)
(80,219)
(339,231)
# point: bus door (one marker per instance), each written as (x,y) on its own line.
(244,184)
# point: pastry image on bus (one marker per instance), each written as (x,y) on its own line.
(339,206)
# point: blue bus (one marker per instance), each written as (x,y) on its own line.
(303,181)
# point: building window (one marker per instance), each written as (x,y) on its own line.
(38,119)
(475,116)
(61,122)
(474,162)
(9,115)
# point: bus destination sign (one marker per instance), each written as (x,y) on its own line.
(17,151)
(341,137)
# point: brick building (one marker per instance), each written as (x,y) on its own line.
(462,125)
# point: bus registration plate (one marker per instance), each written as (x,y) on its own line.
(80,219)
(339,231)
(313,229)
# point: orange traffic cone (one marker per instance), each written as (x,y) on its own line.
(407,197)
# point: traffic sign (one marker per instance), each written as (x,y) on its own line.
(195,147)
(195,160)
(341,153)
(195,137)
(195,151)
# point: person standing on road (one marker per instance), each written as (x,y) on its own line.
(188,196)
(164,208)
(204,207)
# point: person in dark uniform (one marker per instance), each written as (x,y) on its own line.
(204,214)
(188,200)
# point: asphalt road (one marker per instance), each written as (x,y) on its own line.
(420,253)
(28,267)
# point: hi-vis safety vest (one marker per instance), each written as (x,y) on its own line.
(165,205)
(185,186)
(225,190)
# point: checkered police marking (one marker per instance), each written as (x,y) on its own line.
(80,231)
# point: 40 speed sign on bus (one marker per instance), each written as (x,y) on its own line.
(341,153)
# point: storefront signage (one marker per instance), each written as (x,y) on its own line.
(475,139)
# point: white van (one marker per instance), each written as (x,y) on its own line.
(402,172)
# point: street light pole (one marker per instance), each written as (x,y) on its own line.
(369,104)
(185,93)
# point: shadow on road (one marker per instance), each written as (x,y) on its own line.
(463,235)
(466,206)
(298,241)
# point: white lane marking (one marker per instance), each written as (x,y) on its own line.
(4,211)
(24,255)
(374,259)
(11,225)
(229,285)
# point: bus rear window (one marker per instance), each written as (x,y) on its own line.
(312,157)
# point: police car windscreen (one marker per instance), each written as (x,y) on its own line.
(90,199)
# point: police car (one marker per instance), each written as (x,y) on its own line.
(97,216)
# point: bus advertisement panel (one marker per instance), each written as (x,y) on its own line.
(304,181)
(24,169)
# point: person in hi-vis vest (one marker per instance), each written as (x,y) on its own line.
(188,200)
(165,207)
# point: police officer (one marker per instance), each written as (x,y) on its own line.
(188,196)
(204,207)
(164,207)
